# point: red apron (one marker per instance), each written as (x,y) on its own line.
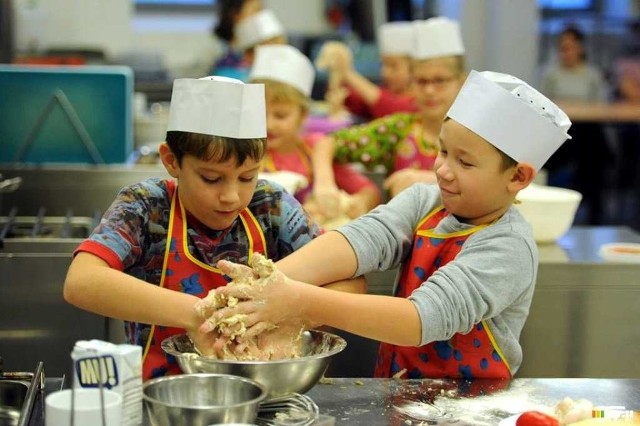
(184,273)
(471,355)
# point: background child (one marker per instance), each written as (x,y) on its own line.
(288,76)
(229,13)
(468,257)
(404,144)
(365,99)
(153,255)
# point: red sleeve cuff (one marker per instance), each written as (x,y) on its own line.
(101,251)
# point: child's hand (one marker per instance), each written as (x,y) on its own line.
(268,302)
(327,198)
(336,57)
(404,178)
(210,343)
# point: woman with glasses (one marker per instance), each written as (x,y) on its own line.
(405,145)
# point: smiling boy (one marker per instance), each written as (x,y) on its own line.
(467,258)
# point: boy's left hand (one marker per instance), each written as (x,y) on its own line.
(266,302)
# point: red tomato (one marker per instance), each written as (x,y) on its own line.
(536,418)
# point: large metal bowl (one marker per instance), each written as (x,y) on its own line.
(201,399)
(281,377)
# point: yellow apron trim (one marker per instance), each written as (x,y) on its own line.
(496,347)
(430,233)
(427,217)
(250,236)
(269,166)
(185,245)
(164,267)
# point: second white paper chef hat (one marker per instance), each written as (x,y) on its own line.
(395,38)
(218,106)
(257,28)
(285,64)
(437,37)
(512,116)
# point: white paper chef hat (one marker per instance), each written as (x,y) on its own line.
(218,106)
(436,37)
(285,64)
(257,28)
(395,38)
(512,116)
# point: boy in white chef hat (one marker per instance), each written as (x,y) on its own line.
(154,253)
(364,98)
(468,259)
(404,144)
(288,77)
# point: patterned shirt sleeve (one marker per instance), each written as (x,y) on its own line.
(134,226)
(286,224)
(372,144)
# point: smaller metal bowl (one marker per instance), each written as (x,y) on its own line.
(201,399)
(280,377)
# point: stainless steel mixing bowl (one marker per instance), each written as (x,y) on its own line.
(295,375)
(201,399)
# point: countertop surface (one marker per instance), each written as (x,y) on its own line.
(463,402)
(581,244)
(368,401)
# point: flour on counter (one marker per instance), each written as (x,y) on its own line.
(486,410)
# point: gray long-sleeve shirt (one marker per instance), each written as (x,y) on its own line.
(491,279)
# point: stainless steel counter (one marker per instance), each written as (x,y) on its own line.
(585,312)
(477,403)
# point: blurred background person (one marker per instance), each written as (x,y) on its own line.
(404,144)
(578,163)
(627,89)
(229,13)
(258,28)
(288,76)
(365,98)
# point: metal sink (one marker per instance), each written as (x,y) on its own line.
(13,394)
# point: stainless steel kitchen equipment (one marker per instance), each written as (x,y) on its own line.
(201,399)
(19,392)
(50,212)
(281,377)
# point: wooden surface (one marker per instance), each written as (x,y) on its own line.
(615,112)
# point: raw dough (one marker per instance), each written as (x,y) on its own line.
(282,342)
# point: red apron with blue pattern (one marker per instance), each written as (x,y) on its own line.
(184,273)
(471,355)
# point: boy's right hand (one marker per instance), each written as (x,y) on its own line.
(327,199)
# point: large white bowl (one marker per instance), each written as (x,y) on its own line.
(550,210)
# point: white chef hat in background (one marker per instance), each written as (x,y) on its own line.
(218,106)
(512,116)
(286,64)
(395,38)
(257,28)
(437,37)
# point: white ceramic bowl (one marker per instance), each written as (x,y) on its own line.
(550,210)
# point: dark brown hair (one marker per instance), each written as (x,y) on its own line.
(220,149)
(227,10)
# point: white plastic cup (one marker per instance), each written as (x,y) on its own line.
(87,410)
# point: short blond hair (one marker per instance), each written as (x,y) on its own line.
(278,91)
